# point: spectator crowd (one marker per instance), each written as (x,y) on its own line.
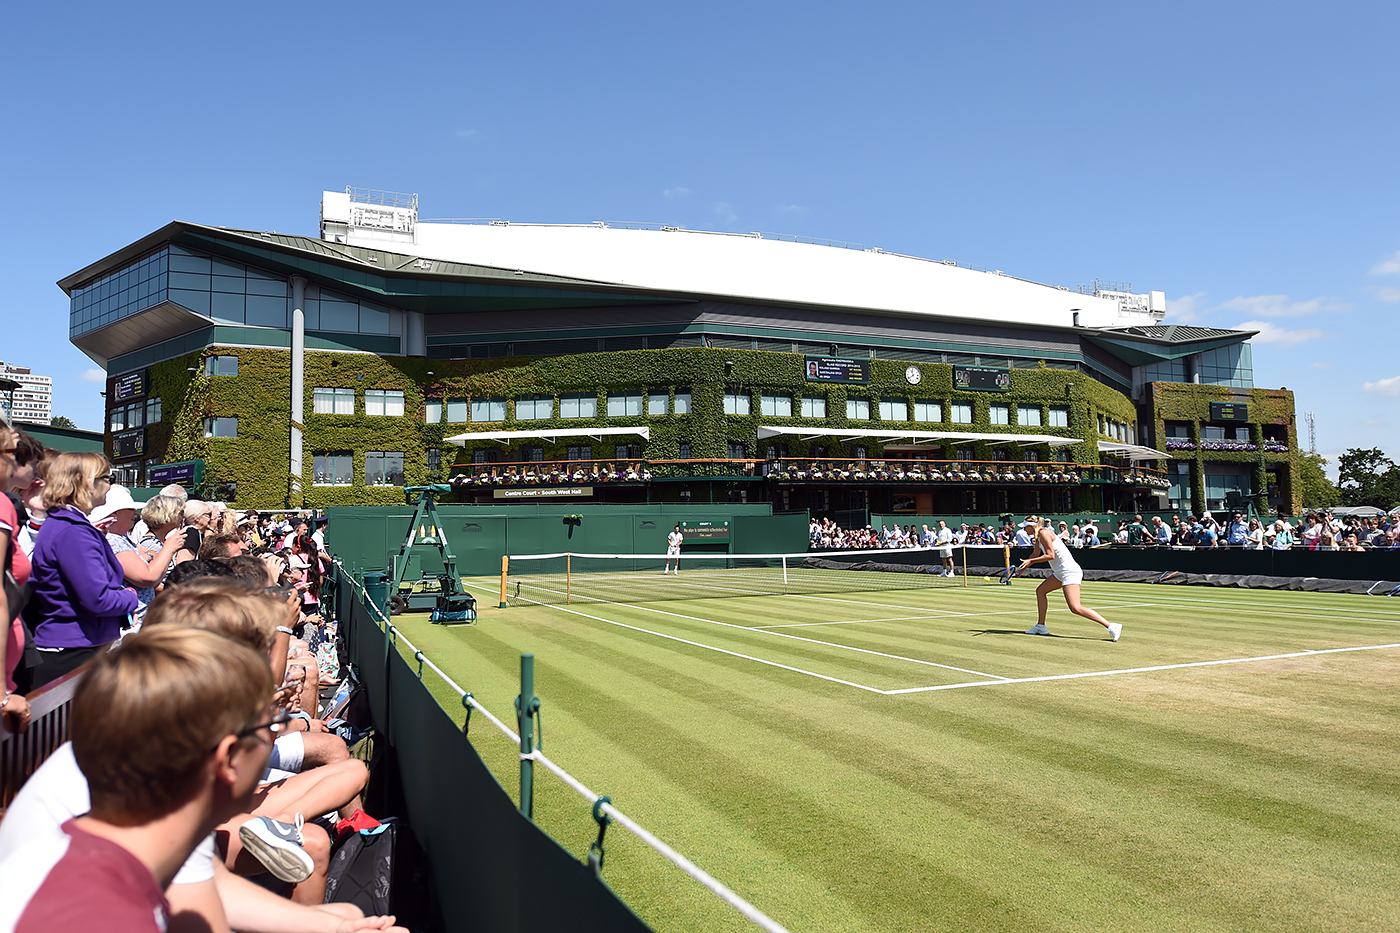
(207,779)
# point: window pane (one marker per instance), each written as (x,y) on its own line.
(153,412)
(1059,416)
(374,402)
(488,409)
(813,406)
(925,410)
(656,403)
(344,401)
(432,411)
(624,405)
(456,410)
(578,405)
(683,403)
(962,413)
(393,404)
(999,414)
(1028,415)
(858,409)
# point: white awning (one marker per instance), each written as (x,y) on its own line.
(891,438)
(1133,452)
(547,434)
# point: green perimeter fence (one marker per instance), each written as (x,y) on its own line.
(491,867)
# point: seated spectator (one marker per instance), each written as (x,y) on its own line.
(115,517)
(78,599)
(1282,536)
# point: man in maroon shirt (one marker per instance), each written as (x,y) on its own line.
(172,731)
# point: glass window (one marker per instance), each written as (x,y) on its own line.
(656,403)
(999,414)
(389,403)
(1228,366)
(333,469)
(1028,415)
(578,405)
(683,450)
(582,452)
(962,412)
(153,413)
(1219,487)
(624,405)
(776,406)
(736,451)
(858,409)
(964,453)
(432,411)
(1179,495)
(456,410)
(326,401)
(220,427)
(813,406)
(736,403)
(534,408)
(1212,432)
(682,402)
(894,409)
(628,451)
(488,408)
(531,455)
(383,468)
(926,410)
(1059,416)
(221,366)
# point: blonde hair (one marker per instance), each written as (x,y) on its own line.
(225,607)
(162,510)
(148,714)
(70,480)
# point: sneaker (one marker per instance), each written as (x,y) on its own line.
(278,846)
(1038,629)
(354,823)
(1115,629)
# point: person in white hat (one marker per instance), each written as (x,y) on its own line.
(1066,574)
(142,570)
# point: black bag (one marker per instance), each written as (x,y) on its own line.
(381,872)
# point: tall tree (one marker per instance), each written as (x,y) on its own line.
(63,421)
(1317,490)
(1369,477)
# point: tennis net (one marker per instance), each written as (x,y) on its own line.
(637,578)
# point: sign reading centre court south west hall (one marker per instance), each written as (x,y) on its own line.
(834,369)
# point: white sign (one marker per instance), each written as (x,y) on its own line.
(397,219)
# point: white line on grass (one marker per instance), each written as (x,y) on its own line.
(1172,600)
(1137,670)
(949,615)
(735,654)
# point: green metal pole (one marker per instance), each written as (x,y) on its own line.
(525,706)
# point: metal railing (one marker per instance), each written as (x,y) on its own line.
(21,753)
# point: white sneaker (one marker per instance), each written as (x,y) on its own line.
(1115,629)
(278,846)
(1038,629)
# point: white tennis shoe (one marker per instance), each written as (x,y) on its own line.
(1038,629)
(1115,629)
(278,846)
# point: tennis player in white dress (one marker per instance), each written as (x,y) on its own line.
(1066,574)
(673,550)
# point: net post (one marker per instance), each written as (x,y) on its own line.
(568,578)
(505,565)
(526,704)
(1006,556)
(785,584)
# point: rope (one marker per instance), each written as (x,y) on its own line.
(601,805)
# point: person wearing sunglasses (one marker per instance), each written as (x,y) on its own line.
(79,600)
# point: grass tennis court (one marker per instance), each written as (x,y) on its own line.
(911,761)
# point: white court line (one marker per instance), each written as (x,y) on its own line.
(1138,670)
(949,615)
(734,654)
(1171,600)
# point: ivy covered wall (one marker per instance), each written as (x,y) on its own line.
(259,397)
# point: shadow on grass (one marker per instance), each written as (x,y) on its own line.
(1021,633)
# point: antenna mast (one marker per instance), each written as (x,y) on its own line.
(1312,432)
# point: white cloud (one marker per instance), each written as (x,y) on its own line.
(1186,309)
(1320,365)
(1390,387)
(1270,332)
(726,212)
(1389,295)
(790,208)
(1390,265)
(1280,306)
(93,375)
(465,134)
(671,194)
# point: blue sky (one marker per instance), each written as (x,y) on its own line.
(1240,157)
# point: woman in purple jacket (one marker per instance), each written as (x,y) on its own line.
(78,601)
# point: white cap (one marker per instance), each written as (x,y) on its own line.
(118,498)
(298,562)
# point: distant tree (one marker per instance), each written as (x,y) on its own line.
(1369,477)
(63,421)
(1317,490)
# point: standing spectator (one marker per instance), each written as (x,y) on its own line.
(163,516)
(198,516)
(1311,533)
(1283,536)
(1237,532)
(1137,532)
(1254,536)
(1175,530)
(115,517)
(16,568)
(1161,532)
(1206,538)
(79,601)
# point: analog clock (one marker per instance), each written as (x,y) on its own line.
(913,374)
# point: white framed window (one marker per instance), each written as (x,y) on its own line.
(813,406)
(325,401)
(457,410)
(928,410)
(776,406)
(220,427)
(858,409)
(221,366)
(736,403)
(534,407)
(1059,416)
(657,403)
(962,412)
(624,405)
(432,411)
(894,409)
(383,468)
(999,414)
(488,408)
(578,405)
(335,468)
(153,413)
(385,402)
(1028,415)
(682,406)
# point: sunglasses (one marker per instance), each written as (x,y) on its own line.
(22,455)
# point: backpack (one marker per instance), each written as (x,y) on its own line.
(381,871)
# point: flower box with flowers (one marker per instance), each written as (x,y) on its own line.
(1274,447)
(1228,445)
(1180,445)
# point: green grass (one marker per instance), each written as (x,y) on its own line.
(1254,796)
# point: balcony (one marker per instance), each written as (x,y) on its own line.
(552,473)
